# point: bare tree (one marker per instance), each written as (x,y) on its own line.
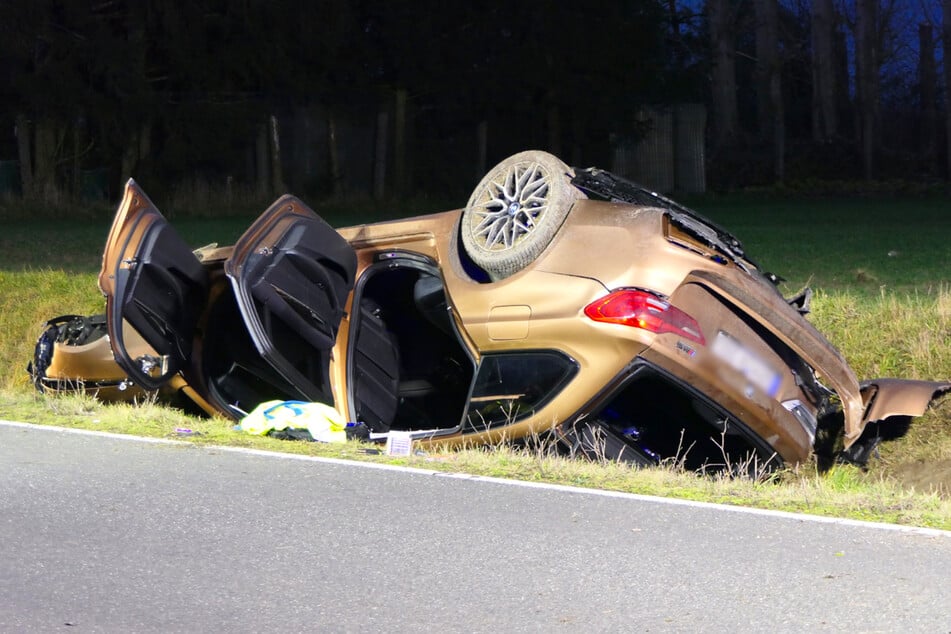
(769,82)
(927,91)
(867,73)
(723,47)
(274,150)
(946,40)
(138,142)
(25,153)
(824,115)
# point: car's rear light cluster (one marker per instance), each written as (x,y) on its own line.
(641,309)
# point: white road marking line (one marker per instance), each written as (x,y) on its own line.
(801,517)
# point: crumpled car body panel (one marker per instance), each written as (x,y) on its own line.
(885,398)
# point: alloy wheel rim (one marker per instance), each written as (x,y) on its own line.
(511,207)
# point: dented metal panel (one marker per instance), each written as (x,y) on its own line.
(885,398)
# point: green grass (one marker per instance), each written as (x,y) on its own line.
(75,245)
(859,246)
(889,314)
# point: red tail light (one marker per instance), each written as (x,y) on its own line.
(641,309)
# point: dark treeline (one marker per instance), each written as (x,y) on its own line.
(336,97)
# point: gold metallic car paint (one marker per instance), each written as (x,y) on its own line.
(641,247)
(558,323)
(556,302)
(95,359)
(267,229)
(574,266)
(92,359)
(87,367)
(900,397)
(715,317)
(129,226)
(412,234)
(619,246)
(700,368)
(509,323)
(416,235)
(774,424)
(642,251)
(769,309)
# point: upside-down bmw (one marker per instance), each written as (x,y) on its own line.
(558,300)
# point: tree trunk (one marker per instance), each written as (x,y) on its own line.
(277,173)
(379,155)
(765,16)
(772,128)
(927,81)
(674,18)
(79,134)
(25,154)
(842,73)
(129,157)
(554,129)
(136,149)
(824,115)
(45,152)
(866,71)
(399,144)
(482,145)
(724,71)
(779,130)
(577,133)
(261,163)
(140,133)
(334,155)
(946,37)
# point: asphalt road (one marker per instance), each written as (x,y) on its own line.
(104,534)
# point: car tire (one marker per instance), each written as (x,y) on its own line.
(515,212)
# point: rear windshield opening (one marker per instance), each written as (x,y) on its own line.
(652,420)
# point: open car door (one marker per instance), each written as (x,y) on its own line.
(154,283)
(292,273)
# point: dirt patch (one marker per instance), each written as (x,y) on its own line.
(926,475)
(921,459)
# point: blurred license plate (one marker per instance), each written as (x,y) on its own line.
(729,350)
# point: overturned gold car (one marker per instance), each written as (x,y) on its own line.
(559,300)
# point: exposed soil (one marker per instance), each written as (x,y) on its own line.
(921,459)
(925,475)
